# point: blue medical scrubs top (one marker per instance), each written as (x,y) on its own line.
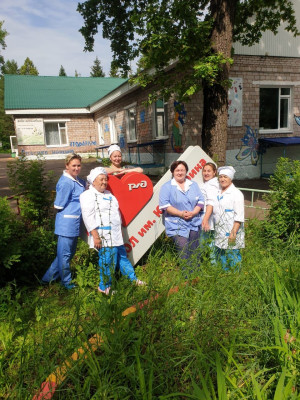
(170,195)
(68,217)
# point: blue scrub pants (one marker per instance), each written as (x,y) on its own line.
(60,268)
(230,258)
(109,259)
(186,248)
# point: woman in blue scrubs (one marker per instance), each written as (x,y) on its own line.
(181,201)
(67,222)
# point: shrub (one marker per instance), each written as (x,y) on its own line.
(284,201)
(29,179)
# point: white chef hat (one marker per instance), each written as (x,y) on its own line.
(95,172)
(113,148)
(227,170)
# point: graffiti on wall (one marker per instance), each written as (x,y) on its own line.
(142,116)
(106,128)
(235,102)
(84,143)
(249,147)
(177,128)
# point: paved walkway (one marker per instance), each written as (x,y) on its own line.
(57,166)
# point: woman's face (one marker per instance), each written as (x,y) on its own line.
(224,181)
(74,167)
(208,173)
(100,183)
(116,157)
(179,173)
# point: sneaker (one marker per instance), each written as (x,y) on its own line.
(138,282)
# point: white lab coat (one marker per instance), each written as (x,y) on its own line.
(228,207)
(209,190)
(101,211)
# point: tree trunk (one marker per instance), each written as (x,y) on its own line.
(215,110)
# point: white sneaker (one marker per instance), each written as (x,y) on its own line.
(138,282)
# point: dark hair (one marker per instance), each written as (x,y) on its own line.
(214,167)
(175,164)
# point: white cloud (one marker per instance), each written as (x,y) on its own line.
(47,33)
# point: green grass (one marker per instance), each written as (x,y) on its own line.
(222,336)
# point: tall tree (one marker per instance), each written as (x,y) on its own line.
(3,34)
(195,35)
(28,68)
(10,67)
(62,71)
(96,69)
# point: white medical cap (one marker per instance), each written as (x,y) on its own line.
(95,172)
(112,148)
(227,170)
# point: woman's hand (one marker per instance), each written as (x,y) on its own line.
(97,239)
(205,225)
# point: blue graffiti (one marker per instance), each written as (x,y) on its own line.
(250,146)
(142,116)
(85,143)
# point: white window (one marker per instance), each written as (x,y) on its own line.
(274,109)
(160,119)
(100,132)
(113,131)
(55,134)
(131,124)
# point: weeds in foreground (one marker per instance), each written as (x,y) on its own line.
(222,336)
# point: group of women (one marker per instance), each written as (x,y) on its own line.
(193,215)
(210,215)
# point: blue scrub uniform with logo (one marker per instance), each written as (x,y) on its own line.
(67,227)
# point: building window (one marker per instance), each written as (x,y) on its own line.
(274,109)
(100,132)
(131,124)
(113,131)
(55,134)
(160,119)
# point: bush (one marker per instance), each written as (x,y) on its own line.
(29,180)
(284,201)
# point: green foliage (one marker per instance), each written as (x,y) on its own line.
(28,68)
(162,32)
(28,243)
(29,181)
(284,201)
(62,71)
(3,34)
(10,67)
(9,243)
(96,69)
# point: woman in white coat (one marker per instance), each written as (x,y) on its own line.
(101,216)
(228,213)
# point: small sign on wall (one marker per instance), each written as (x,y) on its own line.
(235,102)
(30,131)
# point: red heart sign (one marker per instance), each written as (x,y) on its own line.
(133,191)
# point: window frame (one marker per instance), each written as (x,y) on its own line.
(128,126)
(287,129)
(58,122)
(101,139)
(165,121)
(112,128)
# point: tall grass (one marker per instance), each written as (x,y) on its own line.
(222,336)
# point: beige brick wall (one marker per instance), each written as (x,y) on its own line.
(256,68)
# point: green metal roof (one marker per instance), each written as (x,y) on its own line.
(50,92)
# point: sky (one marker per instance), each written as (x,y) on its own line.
(48,33)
